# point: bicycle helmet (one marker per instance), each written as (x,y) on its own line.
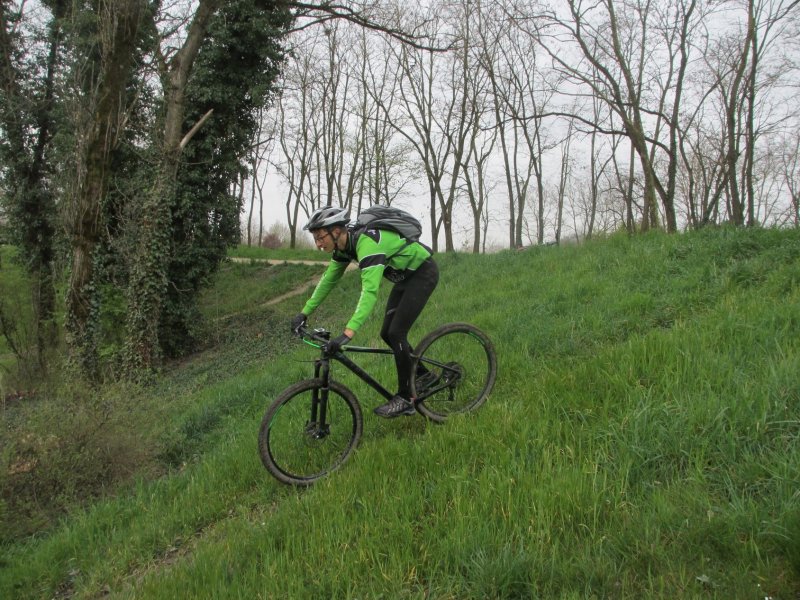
(327,217)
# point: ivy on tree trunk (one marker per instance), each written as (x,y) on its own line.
(117,28)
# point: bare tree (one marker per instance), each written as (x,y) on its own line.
(745,68)
(296,139)
(675,23)
(730,79)
(475,171)
(790,158)
(565,173)
(626,74)
(768,23)
(387,168)
(259,169)
(461,111)
(508,101)
(340,130)
(417,74)
(331,115)
(618,53)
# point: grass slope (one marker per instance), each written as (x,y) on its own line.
(642,441)
(256,253)
(15,307)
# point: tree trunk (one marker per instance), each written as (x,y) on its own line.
(31,204)
(732,124)
(147,286)
(118,24)
(750,123)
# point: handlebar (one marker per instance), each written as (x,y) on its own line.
(308,335)
(320,336)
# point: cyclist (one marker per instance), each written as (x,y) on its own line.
(379,253)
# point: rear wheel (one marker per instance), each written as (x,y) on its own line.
(457,367)
(308,432)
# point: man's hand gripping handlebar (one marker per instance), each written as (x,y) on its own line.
(321,338)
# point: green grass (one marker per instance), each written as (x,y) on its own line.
(643,440)
(255,252)
(15,302)
(243,287)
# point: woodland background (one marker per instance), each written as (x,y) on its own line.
(141,140)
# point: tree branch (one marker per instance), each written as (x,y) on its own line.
(187,138)
(325,11)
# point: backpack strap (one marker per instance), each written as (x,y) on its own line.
(354,233)
(403,247)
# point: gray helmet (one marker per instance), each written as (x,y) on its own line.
(327,217)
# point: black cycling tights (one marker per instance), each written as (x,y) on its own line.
(406,301)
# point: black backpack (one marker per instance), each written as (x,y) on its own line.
(388,217)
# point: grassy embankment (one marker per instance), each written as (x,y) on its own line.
(254,252)
(643,440)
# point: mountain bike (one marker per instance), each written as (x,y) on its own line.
(314,425)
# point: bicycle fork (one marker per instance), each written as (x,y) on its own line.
(317,426)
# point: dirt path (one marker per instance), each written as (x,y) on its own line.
(302,288)
(278,261)
(295,292)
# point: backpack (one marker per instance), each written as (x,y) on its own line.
(388,217)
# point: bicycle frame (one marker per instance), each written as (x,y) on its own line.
(322,370)
(317,426)
(322,367)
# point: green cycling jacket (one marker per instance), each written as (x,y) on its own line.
(379,253)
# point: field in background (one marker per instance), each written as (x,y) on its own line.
(257,253)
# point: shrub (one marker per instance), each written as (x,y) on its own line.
(65,447)
(272,241)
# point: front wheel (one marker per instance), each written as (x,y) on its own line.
(309,431)
(456,367)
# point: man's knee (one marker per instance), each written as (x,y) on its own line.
(394,338)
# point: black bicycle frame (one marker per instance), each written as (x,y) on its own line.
(317,425)
(322,368)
